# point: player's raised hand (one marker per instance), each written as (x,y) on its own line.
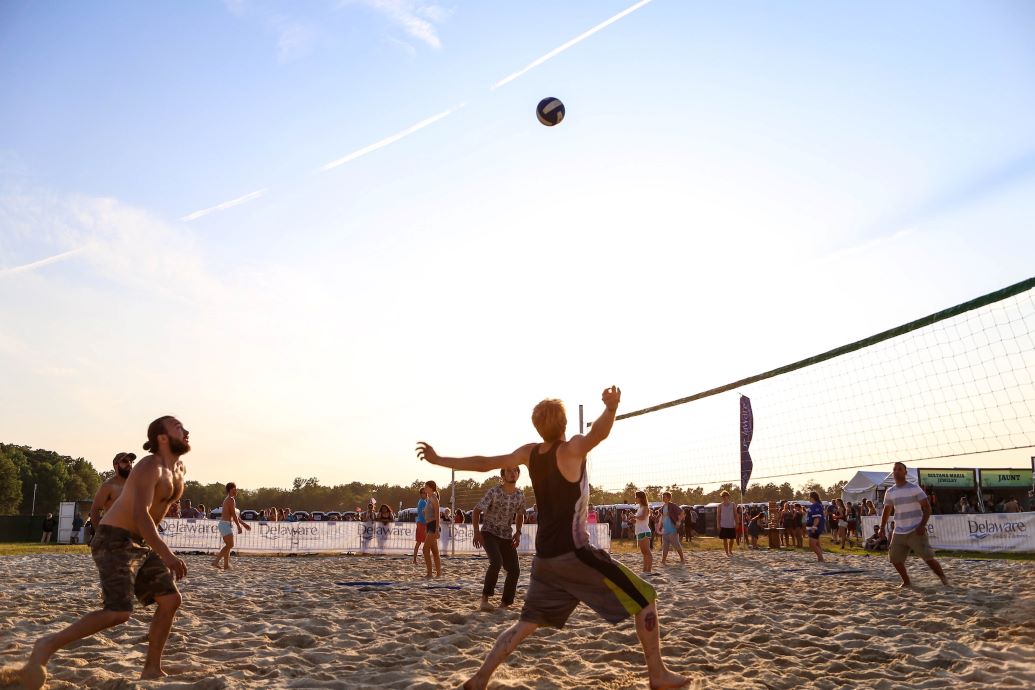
(611,397)
(427,453)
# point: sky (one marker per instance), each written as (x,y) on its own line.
(320,232)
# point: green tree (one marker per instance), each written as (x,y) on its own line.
(83,481)
(808,487)
(10,486)
(834,491)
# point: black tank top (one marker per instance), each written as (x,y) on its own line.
(562,505)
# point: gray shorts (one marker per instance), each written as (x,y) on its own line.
(670,540)
(589,575)
(903,543)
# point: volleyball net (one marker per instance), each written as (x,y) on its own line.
(953,384)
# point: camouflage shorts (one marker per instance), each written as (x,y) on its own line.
(128,567)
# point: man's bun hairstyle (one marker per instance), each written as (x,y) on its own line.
(154,430)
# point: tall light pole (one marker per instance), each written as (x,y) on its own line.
(34,498)
(452,503)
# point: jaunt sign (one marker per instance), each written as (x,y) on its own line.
(1004,532)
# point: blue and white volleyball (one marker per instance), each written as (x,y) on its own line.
(550,111)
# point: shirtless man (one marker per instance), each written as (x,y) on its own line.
(226,527)
(566,569)
(110,490)
(433,521)
(130,556)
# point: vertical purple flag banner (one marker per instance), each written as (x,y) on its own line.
(747,429)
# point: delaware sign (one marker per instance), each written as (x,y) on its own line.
(338,537)
(1012,532)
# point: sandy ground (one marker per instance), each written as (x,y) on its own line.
(758,620)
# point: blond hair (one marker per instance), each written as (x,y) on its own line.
(549,419)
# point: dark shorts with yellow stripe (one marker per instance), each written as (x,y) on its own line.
(128,569)
(590,576)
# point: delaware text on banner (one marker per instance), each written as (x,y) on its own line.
(339,537)
(1007,532)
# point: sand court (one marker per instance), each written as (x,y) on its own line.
(758,620)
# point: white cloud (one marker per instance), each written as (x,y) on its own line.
(416,18)
(406,47)
(121,243)
(236,7)
(294,39)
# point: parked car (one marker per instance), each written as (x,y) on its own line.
(250,515)
(406,515)
(299,516)
(350,516)
(332,516)
(318,516)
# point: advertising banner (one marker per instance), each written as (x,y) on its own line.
(946,479)
(338,537)
(747,430)
(1013,532)
(1002,478)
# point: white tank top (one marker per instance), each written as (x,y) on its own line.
(642,520)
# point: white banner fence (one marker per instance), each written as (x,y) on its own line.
(1005,532)
(338,537)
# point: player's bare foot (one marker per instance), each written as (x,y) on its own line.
(34,674)
(905,585)
(669,680)
(475,683)
(486,606)
(152,673)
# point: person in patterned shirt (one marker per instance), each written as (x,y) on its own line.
(500,506)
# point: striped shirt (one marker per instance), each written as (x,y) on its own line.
(906,500)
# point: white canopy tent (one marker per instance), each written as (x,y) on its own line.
(868,484)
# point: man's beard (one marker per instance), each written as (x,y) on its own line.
(124,473)
(178,446)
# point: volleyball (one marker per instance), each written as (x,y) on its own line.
(550,111)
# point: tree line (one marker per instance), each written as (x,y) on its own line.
(59,478)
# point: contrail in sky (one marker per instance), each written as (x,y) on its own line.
(429,121)
(42,262)
(564,46)
(223,206)
(390,140)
